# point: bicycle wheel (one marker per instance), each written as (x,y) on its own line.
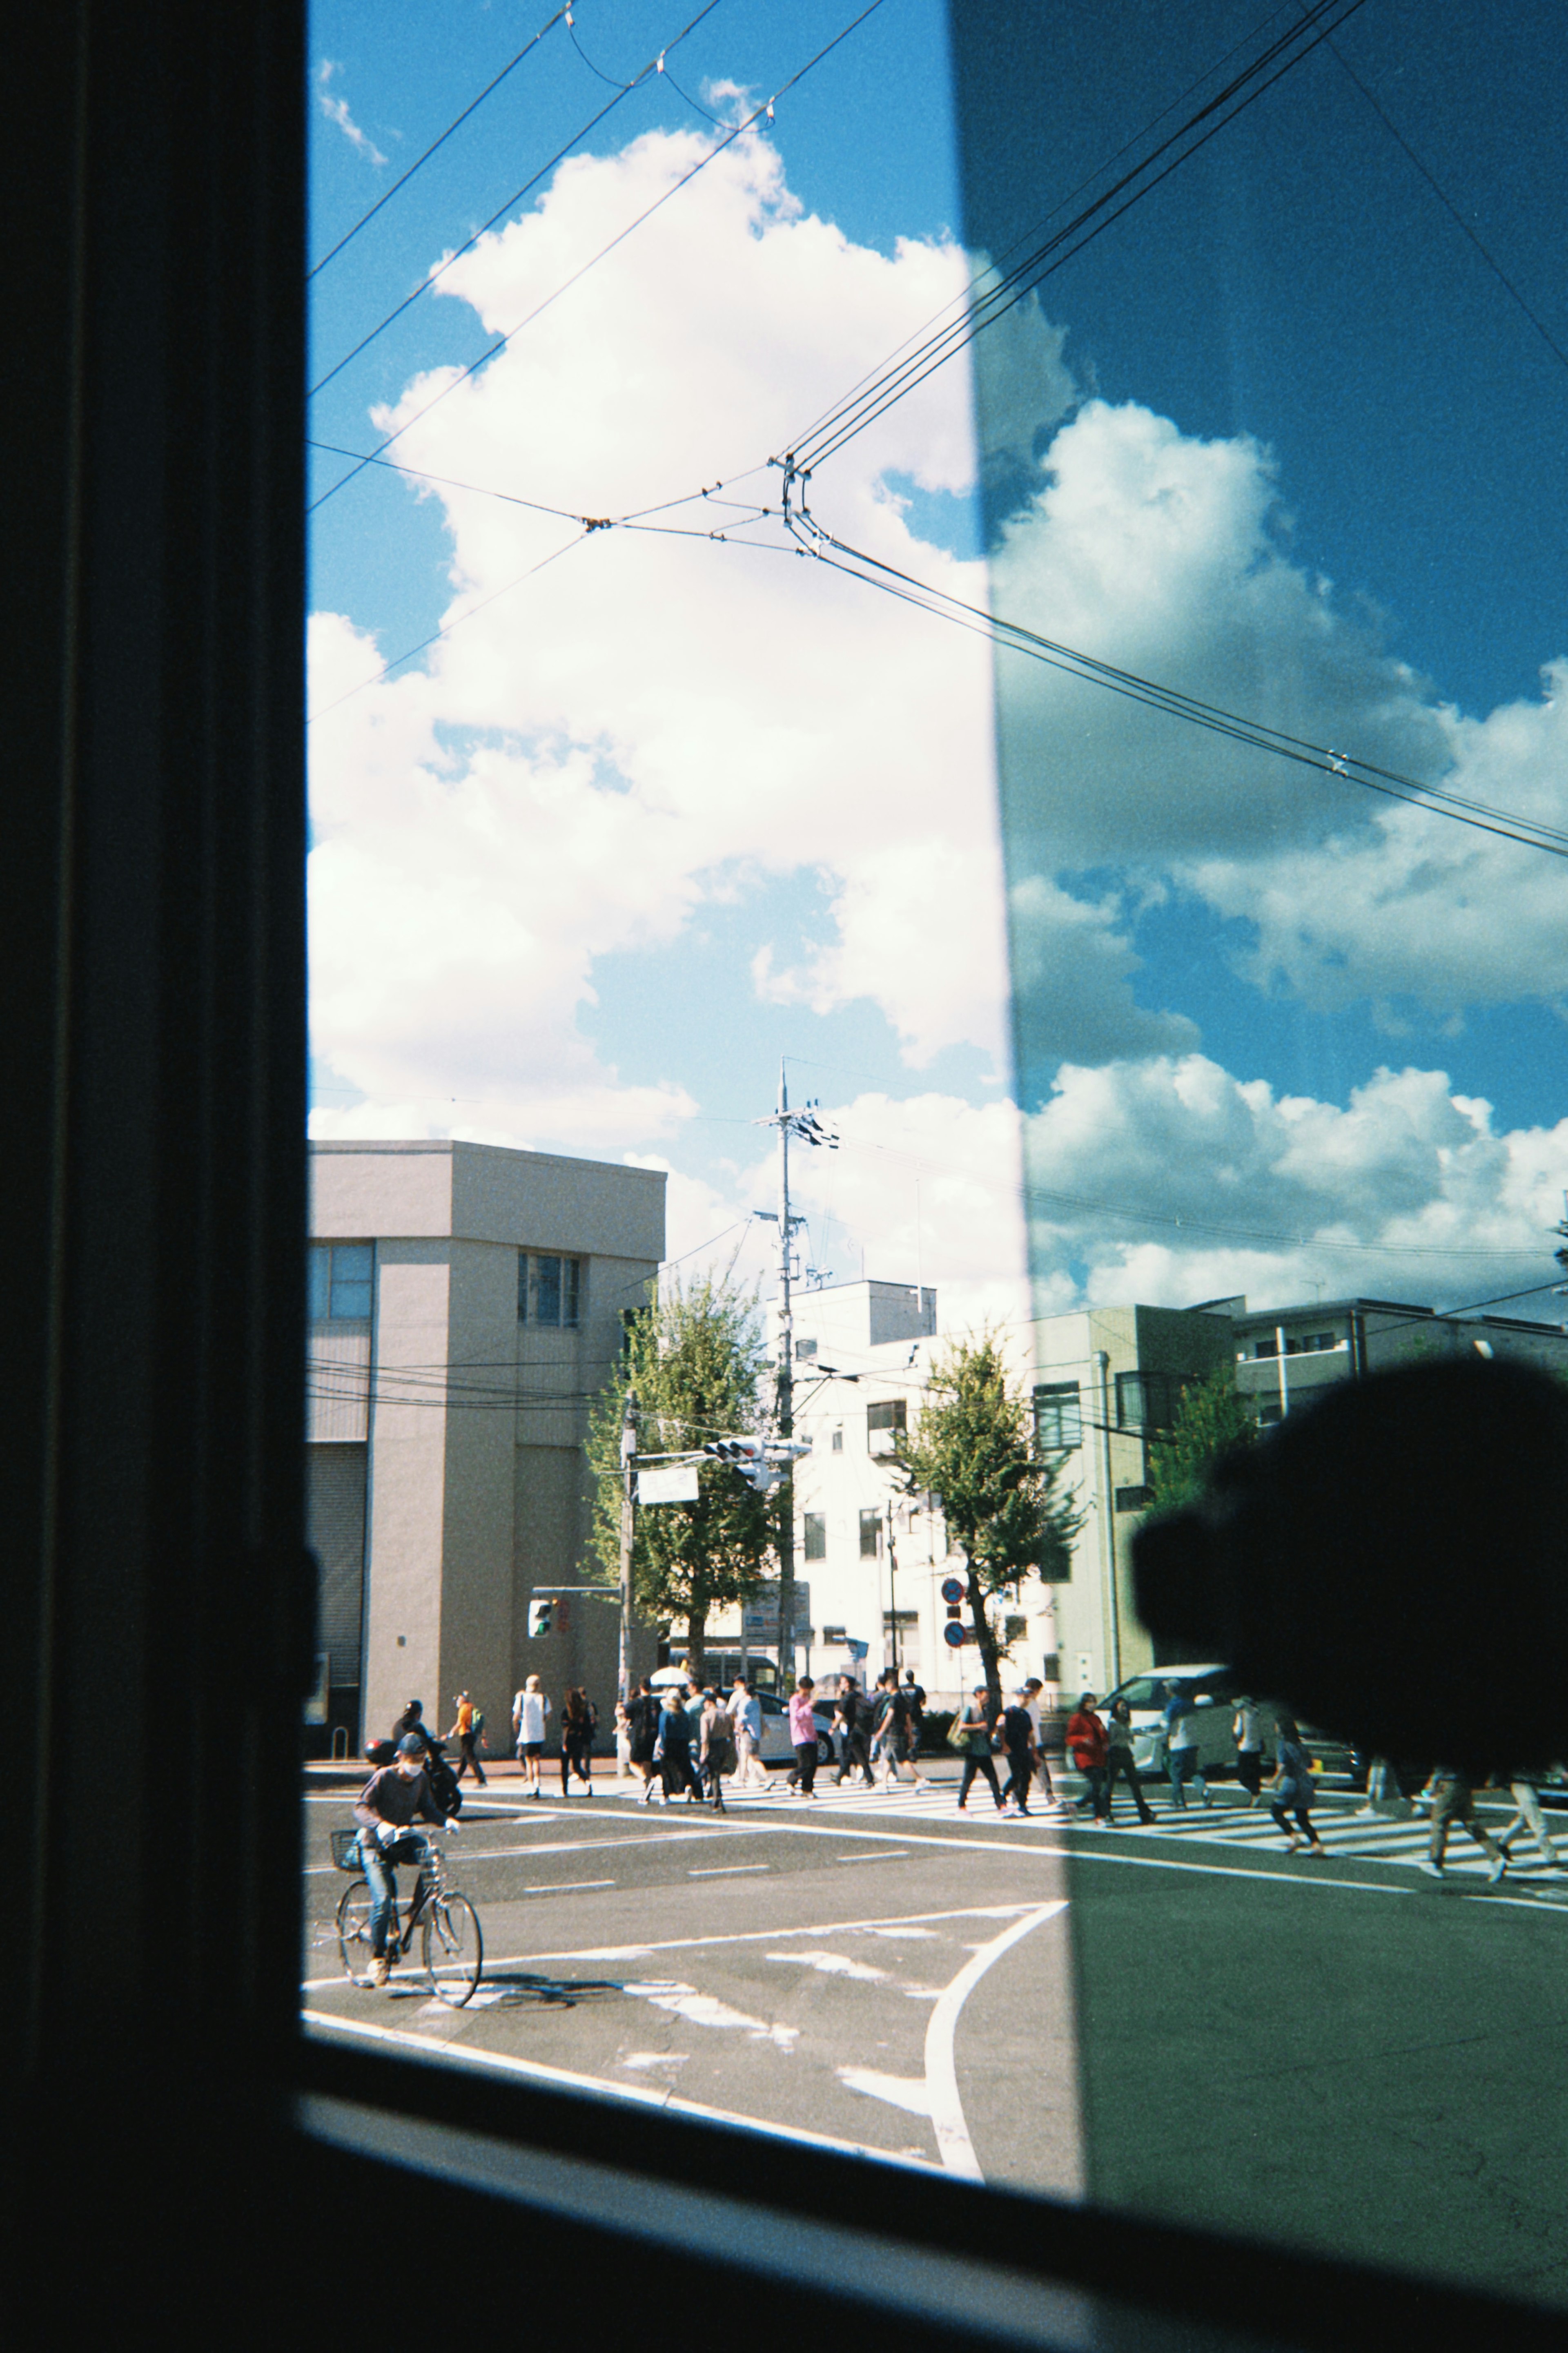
(454,1949)
(353,1930)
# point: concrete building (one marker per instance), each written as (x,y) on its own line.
(1283,1354)
(872,1562)
(465,1308)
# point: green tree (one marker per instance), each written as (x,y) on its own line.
(1211,1418)
(694,1361)
(973,1448)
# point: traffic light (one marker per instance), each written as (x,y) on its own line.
(749,1458)
(541,1619)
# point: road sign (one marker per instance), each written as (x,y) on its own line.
(671,1483)
(955,1636)
(952,1588)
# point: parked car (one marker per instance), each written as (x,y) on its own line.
(1215,1689)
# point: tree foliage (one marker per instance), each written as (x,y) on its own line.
(694,1361)
(973,1448)
(1212,1419)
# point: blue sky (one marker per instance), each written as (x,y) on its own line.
(1279,437)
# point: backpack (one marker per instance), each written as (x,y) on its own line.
(443,1781)
(477,1724)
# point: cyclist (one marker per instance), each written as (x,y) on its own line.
(390,1801)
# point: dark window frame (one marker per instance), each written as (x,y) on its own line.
(156,865)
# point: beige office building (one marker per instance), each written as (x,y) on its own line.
(467,1307)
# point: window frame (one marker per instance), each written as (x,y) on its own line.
(160,212)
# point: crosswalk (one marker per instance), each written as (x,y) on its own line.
(1341,1823)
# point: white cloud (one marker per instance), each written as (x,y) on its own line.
(336,110)
(1168,556)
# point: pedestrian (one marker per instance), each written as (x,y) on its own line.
(1018,1740)
(716,1753)
(1033,1700)
(1292,1792)
(1181,1764)
(849,1713)
(803,1736)
(576,1740)
(909,1715)
(888,1737)
(467,1727)
(1454,1801)
(1385,1796)
(623,1742)
(1247,1731)
(976,1722)
(746,1716)
(1525,1791)
(530,1709)
(673,1751)
(411,1720)
(644,1713)
(1087,1748)
(1120,1762)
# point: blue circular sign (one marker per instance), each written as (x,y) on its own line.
(955,1635)
(952,1588)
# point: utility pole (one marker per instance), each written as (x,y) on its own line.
(803,1125)
(628,1532)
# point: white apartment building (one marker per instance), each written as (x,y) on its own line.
(465,1308)
(873,1561)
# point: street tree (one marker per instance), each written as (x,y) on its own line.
(973,1449)
(693,1362)
(1211,1421)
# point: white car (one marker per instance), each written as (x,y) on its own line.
(777,1749)
(1214,1691)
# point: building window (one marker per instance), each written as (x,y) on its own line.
(1269,1413)
(549,1290)
(871,1534)
(814,1547)
(900,1621)
(1133,1499)
(1014,1629)
(806,1350)
(885,1424)
(341,1278)
(835,1444)
(835,1636)
(1297,1344)
(1149,1402)
(1058,1417)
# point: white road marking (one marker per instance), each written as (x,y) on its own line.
(728,1870)
(895,1857)
(536,2071)
(833,1964)
(706,2010)
(1096,1854)
(569,1887)
(957,2150)
(636,1952)
(561,1846)
(907,2092)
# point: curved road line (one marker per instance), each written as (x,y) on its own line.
(957,2150)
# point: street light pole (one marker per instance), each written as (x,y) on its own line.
(628,1533)
(786,1402)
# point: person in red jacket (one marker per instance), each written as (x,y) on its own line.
(1086,1747)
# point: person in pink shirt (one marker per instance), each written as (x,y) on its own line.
(803,1733)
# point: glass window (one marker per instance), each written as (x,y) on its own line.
(814,1546)
(1058,1417)
(871,1534)
(892,1414)
(340,1281)
(836,1444)
(550,1289)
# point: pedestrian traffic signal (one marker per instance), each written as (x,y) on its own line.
(541,1619)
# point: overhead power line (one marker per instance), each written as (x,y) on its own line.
(717,149)
(455,124)
(815,540)
(654,66)
(870,401)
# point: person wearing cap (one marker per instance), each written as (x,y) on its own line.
(412,1720)
(393,1797)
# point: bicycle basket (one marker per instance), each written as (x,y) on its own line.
(346,1849)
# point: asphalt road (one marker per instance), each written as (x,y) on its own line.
(1187,2020)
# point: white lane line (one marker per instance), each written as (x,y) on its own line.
(1095,1854)
(898,1857)
(636,1952)
(957,2150)
(452,2054)
(728,1870)
(557,1846)
(569,1887)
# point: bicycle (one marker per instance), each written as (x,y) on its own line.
(452,1942)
